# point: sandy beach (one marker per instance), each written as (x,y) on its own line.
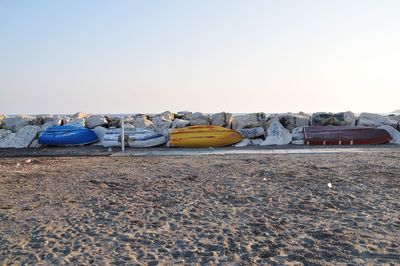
(271,209)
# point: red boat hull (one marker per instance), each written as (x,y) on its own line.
(344,135)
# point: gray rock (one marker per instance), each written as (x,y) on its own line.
(100,131)
(252,132)
(167,116)
(35,144)
(80,115)
(375,120)
(2,117)
(185,115)
(42,119)
(76,122)
(331,119)
(52,123)
(243,143)
(298,133)
(256,142)
(4,133)
(22,139)
(143,122)
(248,121)
(179,123)
(277,135)
(298,142)
(291,121)
(200,119)
(18,122)
(229,120)
(393,133)
(218,119)
(163,126)
(95,121)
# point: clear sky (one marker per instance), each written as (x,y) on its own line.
(238,56)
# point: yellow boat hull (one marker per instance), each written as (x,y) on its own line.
(203,136)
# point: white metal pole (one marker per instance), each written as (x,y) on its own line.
(122,134)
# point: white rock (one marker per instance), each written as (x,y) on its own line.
(277,135)
(218,119)
(35,144)
(76,122)
(298,133)
(95,121)
(229,120)
(252,132)
(52,123)
(393,133)
(375,120)
(80,115)
(161,127)
(100,131)
(243,143)
(291,121)
(336,119)
(248,121)
(179,123)
(200,119)
(143,122)
(18,122)
(167,116)
(298,142)
(4,133)
(2,117)
(256,142)
(22,139)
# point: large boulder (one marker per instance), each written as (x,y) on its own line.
(80,115)
(17,122)
(252,132)
(79,122)
(35,144)
(218,119)
(291,121)
(248,121)
(179,123)
(142,121)
(113,121)
(22,139)
(298,133)
(333,119)
(2,117)
(200,119)
(100,131)
(395,134)
(52,123)
(375,120)
(95,121)
(277,135)
(185,115)
(162,121)
(167,116)
(42,119)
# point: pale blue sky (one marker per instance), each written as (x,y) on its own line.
(237,56)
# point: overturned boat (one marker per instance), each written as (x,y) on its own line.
(134,137)
(344,135)
(67,135)
(203,136)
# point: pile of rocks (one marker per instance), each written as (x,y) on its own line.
(257,128)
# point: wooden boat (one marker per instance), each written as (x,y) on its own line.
(67,135)
(134,137)
(203,136)
(344,135)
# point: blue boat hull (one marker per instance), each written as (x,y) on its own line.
(67,135)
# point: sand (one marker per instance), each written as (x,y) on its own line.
(207,210)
